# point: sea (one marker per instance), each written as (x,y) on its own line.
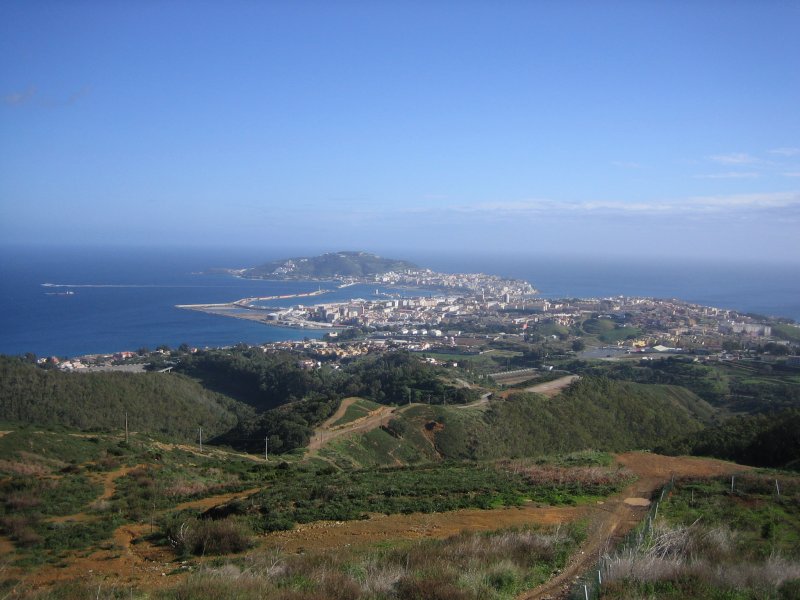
(125,298)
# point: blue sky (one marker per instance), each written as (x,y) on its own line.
(655,128)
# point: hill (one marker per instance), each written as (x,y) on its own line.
(764,440)
(329,265)
(158,403)
(594,413)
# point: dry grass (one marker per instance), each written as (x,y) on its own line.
(16,467)
(16,501)
(545,475)
(20,528)
(466,566)
(696,552)
(182,487)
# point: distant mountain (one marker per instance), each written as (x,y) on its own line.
(329,265)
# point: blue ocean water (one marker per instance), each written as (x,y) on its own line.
(134,302)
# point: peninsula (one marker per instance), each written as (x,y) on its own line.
(462,293)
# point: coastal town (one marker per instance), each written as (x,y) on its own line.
(469,314)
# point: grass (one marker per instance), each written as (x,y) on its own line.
(53,473)
(493,566)
(608,331)
(359,409)
(786,332)
(711,542)
(401,442)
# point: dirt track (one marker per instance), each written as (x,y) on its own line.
(130,560)
(611,521)
(327,432)
(548,388)
(140,565)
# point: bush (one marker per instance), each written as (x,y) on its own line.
(429,589)
(206,536)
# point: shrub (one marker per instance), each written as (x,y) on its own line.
(429,589)
(205,536)
(20,529)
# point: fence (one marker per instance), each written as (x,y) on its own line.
(587,587)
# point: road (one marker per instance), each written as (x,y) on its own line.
(549,388)
(326,432)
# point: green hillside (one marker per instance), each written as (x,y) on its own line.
(609,331)
(157,403)
(592,413)
(329,265)
(771,440)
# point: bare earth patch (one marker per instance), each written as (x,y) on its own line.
(131,561)
(637,501)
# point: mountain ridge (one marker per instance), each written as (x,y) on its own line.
(346,263)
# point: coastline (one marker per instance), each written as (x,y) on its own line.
(220,311)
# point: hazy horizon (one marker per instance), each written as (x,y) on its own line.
(655,131)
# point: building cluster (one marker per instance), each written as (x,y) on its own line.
(488,306)
(476,283)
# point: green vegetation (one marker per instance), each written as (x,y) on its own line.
(497,565)
(762,440)
(330,265)
(238,396)
(786,332)
(610,331)
(591,413)
(157,403)
(302,494)
(713,542)
(357,410)
(310,397)
(731,387)
(205,536)
(61,492)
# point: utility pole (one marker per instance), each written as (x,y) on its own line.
(201,439)
(126,427)
(266,448)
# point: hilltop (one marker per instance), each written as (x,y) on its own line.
(328,265)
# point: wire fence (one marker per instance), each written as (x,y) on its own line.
(588,586)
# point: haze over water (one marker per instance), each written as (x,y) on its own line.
(134,302)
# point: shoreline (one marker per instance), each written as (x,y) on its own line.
(218,310)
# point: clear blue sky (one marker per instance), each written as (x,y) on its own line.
(662,128)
